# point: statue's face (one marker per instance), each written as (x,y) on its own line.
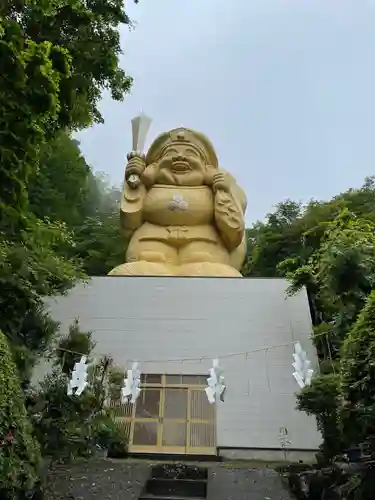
(182,165)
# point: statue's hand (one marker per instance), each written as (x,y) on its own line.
(134,169)
(220,182)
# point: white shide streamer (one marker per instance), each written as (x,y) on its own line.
(302,371)
(78,379)
(216,383)
(131,389)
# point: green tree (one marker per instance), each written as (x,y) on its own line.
(30,264)
(89,32)
(99,243)
(56,56)
(293,231)
(31,268)
(329,248)
(31,75)
(65,189)
(19,452)
(61,187)
(271,242)
(322,400)
(341,274)
(358,378)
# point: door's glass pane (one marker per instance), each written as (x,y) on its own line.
(174,433)
(175,405)
(194,379)
(202,435)
(200,408)
(150,378)
(148,404)
(145,433)
(173,379)
(186,379)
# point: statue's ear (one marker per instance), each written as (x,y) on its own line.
(209,173)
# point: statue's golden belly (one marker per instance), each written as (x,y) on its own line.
(177,216)
(179,206)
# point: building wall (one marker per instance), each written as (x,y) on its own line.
(192,320)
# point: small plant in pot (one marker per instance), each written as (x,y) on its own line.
(111,438)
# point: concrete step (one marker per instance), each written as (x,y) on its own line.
(179,472)
(147,496)
(171,487)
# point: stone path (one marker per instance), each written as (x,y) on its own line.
(124,480)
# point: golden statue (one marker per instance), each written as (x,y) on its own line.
(182,215)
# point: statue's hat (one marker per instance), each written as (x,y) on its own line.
(183,135)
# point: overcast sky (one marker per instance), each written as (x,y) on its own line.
(285,89)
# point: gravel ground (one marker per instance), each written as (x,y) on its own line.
(115,480)
(229,483)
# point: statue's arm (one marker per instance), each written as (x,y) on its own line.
(131,208)
(230,206)
(133,195)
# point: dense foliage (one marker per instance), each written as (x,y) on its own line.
(322,399)
(56,58)
(69,427)
(295,231)
(88,34)
(358,379)
(32,267)
(31,75)
(65,189)
(329,248)
(20,458)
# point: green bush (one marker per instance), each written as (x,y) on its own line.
(69,427)
(322,400)
(20,459)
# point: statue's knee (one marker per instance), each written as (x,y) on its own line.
(208,269)
(196,257)
(142,268)
(153,256)
(204,252)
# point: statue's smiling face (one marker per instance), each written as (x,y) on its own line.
(181,164)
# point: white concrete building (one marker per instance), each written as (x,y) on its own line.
(174,327)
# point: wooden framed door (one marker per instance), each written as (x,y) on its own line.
(172,415)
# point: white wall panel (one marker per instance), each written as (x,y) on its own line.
(161,319)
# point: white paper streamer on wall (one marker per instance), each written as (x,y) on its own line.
(302,371)
(78,379)
(216,383)
(132,382)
